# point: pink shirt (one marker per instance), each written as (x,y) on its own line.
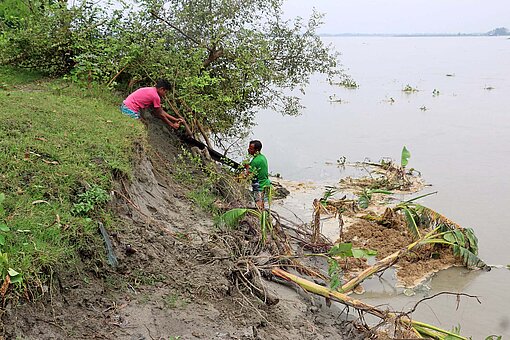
(143,98)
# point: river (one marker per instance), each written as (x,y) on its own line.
(457,128)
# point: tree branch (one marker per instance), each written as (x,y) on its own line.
(442,293)
(155,15)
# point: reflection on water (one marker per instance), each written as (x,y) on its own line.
(458,132)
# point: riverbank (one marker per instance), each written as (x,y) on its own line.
(169,278)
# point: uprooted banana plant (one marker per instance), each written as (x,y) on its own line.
(440,231)
(462,240)
(402,322)
(232,217)
(271,248)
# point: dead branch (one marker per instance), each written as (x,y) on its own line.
(458,295)
(198,43)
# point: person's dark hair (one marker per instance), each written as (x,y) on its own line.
(257,145)
(163,83)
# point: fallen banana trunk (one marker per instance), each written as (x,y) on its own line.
(383,264)
(419,328)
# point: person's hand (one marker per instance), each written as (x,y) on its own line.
(176,125)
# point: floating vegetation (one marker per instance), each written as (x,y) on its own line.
(416,240)
(341,161)
(334,99)
(421,239)
(409,89)
(348,83)
(391,100)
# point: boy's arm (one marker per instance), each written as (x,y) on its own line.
(168,119)
(160,111)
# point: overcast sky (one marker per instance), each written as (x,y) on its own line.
(405,16)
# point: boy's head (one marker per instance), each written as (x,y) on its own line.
(163,86)
(254,147)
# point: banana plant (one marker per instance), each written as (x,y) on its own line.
(444,231)
(233,217)
(404,157)
(366,196)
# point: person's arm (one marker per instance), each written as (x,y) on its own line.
(168,119)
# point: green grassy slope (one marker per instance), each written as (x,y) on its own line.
(56,142)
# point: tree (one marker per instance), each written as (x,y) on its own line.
(225,59)
(499,31)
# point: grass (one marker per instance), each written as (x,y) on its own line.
(174,300)
(204,198)
(56,140)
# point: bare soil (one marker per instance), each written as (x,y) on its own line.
(378,227)
(172,281)
(414,267)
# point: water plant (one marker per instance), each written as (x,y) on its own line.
(404,157)
(348,83)
(409,89)
(328,193)
(334,99)
(365,197)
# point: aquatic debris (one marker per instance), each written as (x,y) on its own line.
(333,99)
(409,89)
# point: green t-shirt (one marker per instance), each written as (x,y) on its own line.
(258,166)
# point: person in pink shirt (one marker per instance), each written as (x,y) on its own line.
(150,97)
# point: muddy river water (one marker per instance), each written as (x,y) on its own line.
(457,128)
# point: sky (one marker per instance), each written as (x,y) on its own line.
(404,16)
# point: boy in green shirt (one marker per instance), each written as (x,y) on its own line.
(259,170)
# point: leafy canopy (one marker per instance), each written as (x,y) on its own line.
(225,59)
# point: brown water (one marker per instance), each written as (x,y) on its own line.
(460,141)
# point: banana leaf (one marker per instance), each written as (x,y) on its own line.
(411,223)
(404,159)
(232,217)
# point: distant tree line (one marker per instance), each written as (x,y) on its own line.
(499,31)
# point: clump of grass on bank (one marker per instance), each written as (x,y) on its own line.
(57,143)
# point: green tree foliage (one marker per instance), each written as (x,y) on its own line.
(12,12)
(225,59)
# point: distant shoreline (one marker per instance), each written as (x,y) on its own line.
(410,35)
